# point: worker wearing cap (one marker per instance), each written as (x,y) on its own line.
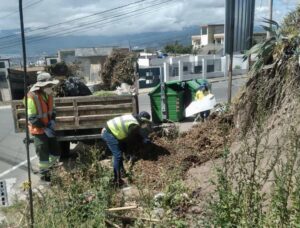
(118,129)
(41,118)
(200,94)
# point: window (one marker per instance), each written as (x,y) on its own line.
(2,77)
(185,68)
(2,64)
(53,61)
(204,31)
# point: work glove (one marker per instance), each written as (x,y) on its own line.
(49,132)
(51,124)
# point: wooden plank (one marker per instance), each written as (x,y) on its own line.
(76,113)
(58,119)
(15,117)
(97,107)
(93,125)
(92,98)
(135,105)
(78,137)
(58,109)
(122,208)
(64,108)
(99,117)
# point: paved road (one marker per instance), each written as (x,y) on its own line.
(219,89)
(13,164)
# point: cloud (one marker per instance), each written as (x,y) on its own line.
(174,15)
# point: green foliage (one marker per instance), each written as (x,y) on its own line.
(104,93)
(239,199)
(173,197)
(282,44)
(178,48)
(76,197)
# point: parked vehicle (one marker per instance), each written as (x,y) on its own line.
(77,118)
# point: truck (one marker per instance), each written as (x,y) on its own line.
(78,118)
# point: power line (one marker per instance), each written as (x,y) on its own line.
(89,26)
(71,30)
(79,18)
(31,3)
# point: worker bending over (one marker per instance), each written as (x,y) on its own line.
(41,118)
(119,129)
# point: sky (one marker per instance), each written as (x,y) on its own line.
(119,17)
(146,16)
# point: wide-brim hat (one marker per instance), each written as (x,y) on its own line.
(39,85)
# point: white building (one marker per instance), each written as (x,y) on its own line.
(209,34)
(4,92)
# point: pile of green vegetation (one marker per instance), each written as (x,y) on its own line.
(118,68)
(104,93)
(80,197)
(258,184)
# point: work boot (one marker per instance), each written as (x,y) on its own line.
(118,183)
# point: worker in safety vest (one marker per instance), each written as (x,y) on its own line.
(200,94)
(41,118)
(118,129)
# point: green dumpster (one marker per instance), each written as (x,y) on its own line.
(192,88)
(174,100)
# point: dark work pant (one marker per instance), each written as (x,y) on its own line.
(113,145)
(47,150)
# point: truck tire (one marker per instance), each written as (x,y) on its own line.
(65,149)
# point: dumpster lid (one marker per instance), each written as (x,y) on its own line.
(170,83)
(193,84)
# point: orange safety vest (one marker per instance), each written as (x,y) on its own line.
(44,111)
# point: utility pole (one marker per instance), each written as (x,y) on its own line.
(26,113)
(270,17)
(230,9)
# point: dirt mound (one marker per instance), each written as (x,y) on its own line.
(205,141)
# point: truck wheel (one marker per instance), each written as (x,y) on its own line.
(65,149)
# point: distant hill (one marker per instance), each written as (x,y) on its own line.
(49,46)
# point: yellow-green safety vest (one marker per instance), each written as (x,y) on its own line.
(119,126)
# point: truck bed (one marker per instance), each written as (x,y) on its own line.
(79,113)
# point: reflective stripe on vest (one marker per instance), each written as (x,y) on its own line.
(38,105)
(44,111)
(119,126)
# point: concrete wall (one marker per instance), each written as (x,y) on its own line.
(88,67)
(206,66)
(4,65)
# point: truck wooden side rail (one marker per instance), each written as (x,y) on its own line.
(81,114)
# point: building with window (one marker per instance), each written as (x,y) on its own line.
(50,60)
(89,60)
(4,92)
(212,39)
(209,34)
(4,65)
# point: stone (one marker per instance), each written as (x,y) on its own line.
(195,210)
(130,193)
(158,213)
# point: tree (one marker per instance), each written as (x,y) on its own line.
(178,48)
